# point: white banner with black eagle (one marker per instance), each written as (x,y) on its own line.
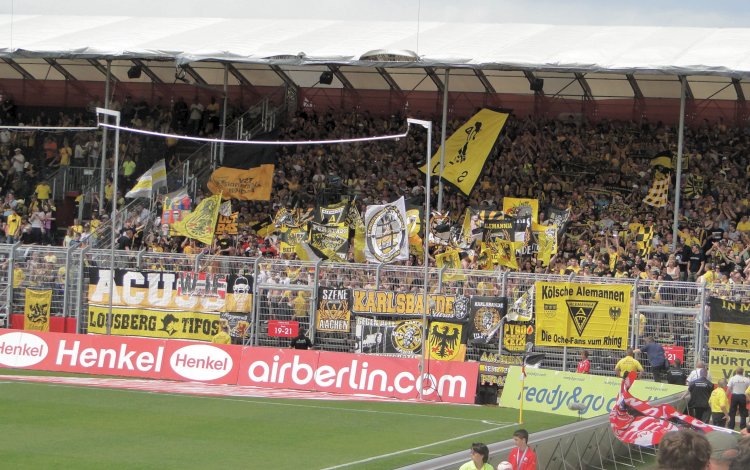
(386,234)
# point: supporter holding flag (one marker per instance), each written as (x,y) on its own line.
(628,364)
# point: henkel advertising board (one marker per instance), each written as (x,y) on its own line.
(227,364)
(201,362)
(358,374)
(130,357)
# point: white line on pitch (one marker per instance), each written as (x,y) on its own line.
(269,402)
(405,451)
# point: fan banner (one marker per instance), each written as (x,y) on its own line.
(521,208)
(409,304)
(395,338)
(447,341)
(729,327)
(386,235)
(201,223)
(485,313)
(722,364)
(36,310)
(334,310)
(254,184)
(582,315)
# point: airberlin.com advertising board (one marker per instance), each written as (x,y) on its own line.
(226,364)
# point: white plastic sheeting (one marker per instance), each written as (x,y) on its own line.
(671,50)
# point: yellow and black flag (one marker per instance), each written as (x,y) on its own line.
(643,240)
(36,311)
(659,191)
(451,261)
(663,161)
(693,186)
(447,341)
(246,185)
(467,150)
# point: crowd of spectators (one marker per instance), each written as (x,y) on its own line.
(599,170)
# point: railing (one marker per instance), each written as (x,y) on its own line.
(73,178)
(263,117)
(677,311)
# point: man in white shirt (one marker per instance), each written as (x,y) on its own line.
(18,160)
(695,374)
(737,386)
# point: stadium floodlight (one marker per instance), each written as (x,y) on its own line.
(428,126)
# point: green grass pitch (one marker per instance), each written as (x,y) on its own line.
(59,426)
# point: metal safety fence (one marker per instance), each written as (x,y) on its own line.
(674,312)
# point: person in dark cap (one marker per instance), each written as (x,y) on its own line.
(676,374)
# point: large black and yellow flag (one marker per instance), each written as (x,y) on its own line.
(330,241)
(201,223)
(331,214)
(447,341)
(246,172)
(658,193)
(693,186)
(36,311)
(467,150)
(499,253)
(729,327)
(643,239)
(246,185)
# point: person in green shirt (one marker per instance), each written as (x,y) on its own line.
(480,454)
(128,169)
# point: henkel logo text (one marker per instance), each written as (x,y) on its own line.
(201,362)
(344,373)
(121,358)
(19,349)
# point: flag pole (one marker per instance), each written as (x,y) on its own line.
(428,126)
(526,352)
(213,232)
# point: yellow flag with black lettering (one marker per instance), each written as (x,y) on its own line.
(36,310)
(201,223)
(246,185)
(467,149)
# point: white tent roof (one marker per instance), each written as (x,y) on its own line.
(611,57)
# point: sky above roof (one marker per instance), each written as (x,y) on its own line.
(718,14)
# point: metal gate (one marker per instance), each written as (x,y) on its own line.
(284,302)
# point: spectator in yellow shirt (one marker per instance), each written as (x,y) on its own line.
(43,191)
(719,404)
(627,364)
(222,337)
